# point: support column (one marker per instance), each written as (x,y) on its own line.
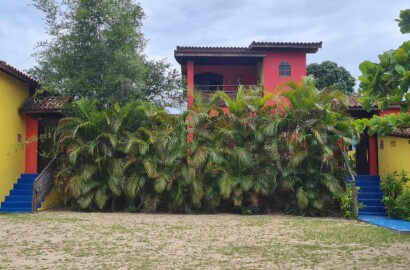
(190,82)
(373,155)
(32,146)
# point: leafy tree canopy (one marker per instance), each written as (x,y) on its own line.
(95,50)
(387,82)
(329,74)
(404,21)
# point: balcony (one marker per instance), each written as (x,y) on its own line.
(230,89)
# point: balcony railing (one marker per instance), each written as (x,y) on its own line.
(230,89)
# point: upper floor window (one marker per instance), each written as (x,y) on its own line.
(284,69)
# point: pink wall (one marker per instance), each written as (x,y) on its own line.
(32,147)
(248,73)
(389,111)
(190,82)
(272,80)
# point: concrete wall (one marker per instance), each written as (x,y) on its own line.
(271,78)
(12,126)
(393,154)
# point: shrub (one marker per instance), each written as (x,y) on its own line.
(392,187)
(345,199)
(257,155)
(402,205)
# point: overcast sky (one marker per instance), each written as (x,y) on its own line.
(351,30)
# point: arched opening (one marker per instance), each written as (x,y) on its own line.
(284,69)
(208,81)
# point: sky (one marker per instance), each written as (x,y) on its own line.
(351,30)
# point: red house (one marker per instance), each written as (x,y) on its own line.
(266,64)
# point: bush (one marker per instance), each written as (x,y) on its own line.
(392,187)
(255,155)
(402,205)
(346,202)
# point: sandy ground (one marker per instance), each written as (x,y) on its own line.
(70,240)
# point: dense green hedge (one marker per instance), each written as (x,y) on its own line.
(277,151)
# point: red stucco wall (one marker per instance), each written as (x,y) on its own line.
(32,146)
(272,80)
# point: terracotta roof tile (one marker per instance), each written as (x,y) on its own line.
(40,105)
(18,74)
(310,47)
(254,50)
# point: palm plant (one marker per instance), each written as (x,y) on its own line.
(317,128)
(90,165)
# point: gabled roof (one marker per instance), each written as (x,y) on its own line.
(44,105)
(309,47)
(253,53)
(19,75)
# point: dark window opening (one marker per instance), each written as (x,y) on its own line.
(284,69)
(208,81)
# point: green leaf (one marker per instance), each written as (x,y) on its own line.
(400,57)
(400,69)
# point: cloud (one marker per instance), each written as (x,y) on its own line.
(352,31)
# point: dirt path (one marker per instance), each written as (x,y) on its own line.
(70,240)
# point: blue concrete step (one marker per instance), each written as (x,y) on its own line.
(20,198)
(371,202)
(15,210)
(23,186)
(367,189)
(368,183)
(364,213)
(14,203)
(360,178)
(370,195)
(15,192)
(373,209)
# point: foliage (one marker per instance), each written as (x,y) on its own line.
(404,21)
(387,82)
(329,75)
(346,202)
(383,125)
(104,156)
(255,153)
(319,128)
(392,187)
(402,205)
(95,51)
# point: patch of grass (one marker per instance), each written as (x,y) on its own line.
(71,240)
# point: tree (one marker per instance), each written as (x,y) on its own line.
(404,21)
(387,82)
(329,74)
(96,50)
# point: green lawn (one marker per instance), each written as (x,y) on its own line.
(70,240)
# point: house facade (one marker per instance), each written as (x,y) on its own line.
(15,159)
(265,64)
(23,119)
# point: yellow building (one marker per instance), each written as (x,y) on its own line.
(394,152)
(15,89)
(22,119)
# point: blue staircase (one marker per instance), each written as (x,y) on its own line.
(370,195)
(20,198)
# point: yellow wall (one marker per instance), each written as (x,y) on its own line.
(394,154)
(52,200)
(12,94)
